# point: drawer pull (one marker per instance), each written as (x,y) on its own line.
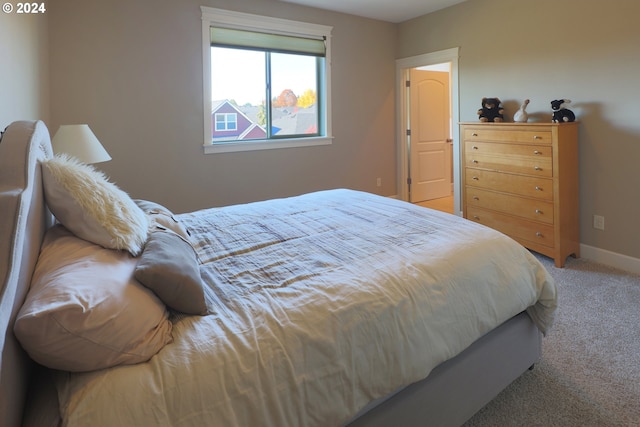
(538,188)
(537,168)
(538,212)
(476,217)
(474,134)
(474,161)
(539,234)
(537,137)
(537,152)
(476,178)
(475,147)
(476,198)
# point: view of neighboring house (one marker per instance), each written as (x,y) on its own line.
(230,122)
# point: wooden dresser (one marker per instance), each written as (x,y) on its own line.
(522,179)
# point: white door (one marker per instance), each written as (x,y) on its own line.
(430,125)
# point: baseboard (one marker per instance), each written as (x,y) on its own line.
(611,259)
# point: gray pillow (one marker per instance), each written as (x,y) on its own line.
(162,218)
(169,267)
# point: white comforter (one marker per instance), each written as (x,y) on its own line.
(322,303)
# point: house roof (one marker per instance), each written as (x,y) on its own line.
(297,121)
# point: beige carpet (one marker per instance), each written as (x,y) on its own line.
(589,374)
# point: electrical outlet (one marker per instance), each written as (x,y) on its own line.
(379,182)
(598,222)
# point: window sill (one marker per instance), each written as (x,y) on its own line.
(255,145)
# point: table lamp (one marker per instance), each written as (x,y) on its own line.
(80,142)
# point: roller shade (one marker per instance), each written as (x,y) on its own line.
(227,37)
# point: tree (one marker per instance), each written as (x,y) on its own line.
(286,99)
(262,114)
(307,99)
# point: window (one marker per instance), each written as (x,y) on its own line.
(226,121)
(266,80)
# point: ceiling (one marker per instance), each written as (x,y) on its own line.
(384,10)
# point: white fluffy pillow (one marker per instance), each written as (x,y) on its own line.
(93,208)
(85,310)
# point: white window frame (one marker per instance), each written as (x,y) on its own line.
(213,17)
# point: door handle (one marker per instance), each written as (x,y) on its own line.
(449,140)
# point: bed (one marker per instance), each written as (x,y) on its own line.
(336,307)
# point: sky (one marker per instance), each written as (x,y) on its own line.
(243,79)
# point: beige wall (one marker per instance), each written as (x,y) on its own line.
(132,70)
(586,51)
(24,74)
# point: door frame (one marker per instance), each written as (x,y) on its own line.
(402,118)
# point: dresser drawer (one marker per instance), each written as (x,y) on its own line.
(530,186)
(528,165)
(518,228)
(533,209)
(507,134)
(500,148)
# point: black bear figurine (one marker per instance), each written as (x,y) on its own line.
(560,113)
(491,111)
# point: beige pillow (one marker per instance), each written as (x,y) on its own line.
(94,209)
(85,311)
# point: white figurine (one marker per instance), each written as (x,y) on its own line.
(521,115)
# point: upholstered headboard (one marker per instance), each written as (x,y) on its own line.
(24,218)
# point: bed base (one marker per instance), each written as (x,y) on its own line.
(458,388)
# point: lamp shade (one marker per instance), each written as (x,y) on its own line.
(80,142)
